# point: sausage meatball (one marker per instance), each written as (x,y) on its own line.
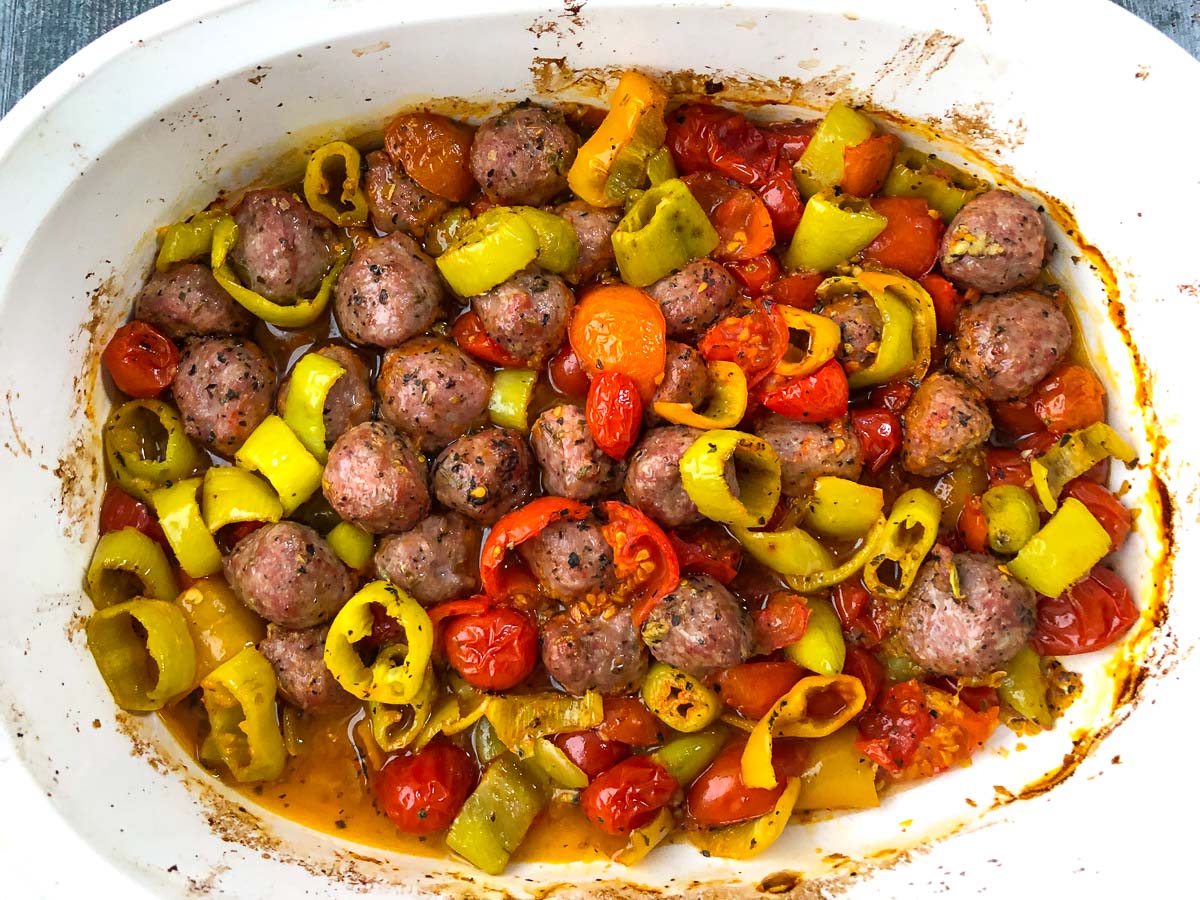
(601,653)
(298,657)
(436,561)
(685,379)
(861,326)
(570,559)
(944,423)
(433,391)
(694,298)
(224,388)
(594,226)
(388,292)
(699,627)
(186,301)
(995,243)
(283,248)
(375,480)
(522,156)
(572,465)
(396,202)
(807,451)
(527,315)
(485,475)
(653,483)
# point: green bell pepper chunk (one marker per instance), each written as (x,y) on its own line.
(944,187)
(498,814)
(1063,552)
(822,164)
(485,742)
(833,228)
(686,757)
(664,231)
(1011,516)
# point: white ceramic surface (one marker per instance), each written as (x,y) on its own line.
(1077,98)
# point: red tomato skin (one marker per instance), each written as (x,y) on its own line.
(752,688)
(867,163)
(628,795)
(590,752)
(912,238)
(719,797)
(707,549)
(864,666)
(972,525)
(756,341)
(739,216)
(782,621)
(947,301)
(891,731)
(494,650)
(119,510)
(614,413)
(1008,467)
(1089,616)
(820,397)
(755,275)
(860,615)
(893,396)
(515,528)
(1108,510)
(627,721)
(423,792)
(1068,399)
(880,434)
(798,289)
(1016,418)
(141,360)
(567,374)
(637,540)
(472,339)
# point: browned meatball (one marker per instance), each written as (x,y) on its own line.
(438,560)
(572,465)
(694,298)
(570,559)
(287,574)
(601,653)
(861,326)
(594,226)
(699,627)
(388,292)
(396,202)
(283,248)
(298,657)
(223,388)
(349,401)
(944,424)
(522,156)
(186,301)
(969,625)
(997,242)
(527,315)
(485,475)
(1005,345)
(685,379)
(807,451)
(433,391)
(653,483)
(375,480)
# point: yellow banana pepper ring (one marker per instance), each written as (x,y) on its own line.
(1072,456)
(489,249)
(944,187)
(912,528)
(636,119)
(1063,552)
(664,230)
(791,551)
(748,839)
(231,494)
(336,162)
(920,305)
(304,412)
(303,312)
(180,518)
(789,717)
(702,469)
(680,700)
(558,242)
(726,402)
(274,450)
(125,553)
(240,698)
(520,719)
(841,508)
(822,647)
(186,241)
(143,672)
(644,839)
(817,581)
(353,545)
(824,337)
(387,680)
(396,726)
(147,448)
(833,228)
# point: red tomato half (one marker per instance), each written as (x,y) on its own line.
(119,510)
(755,341)
(628,795)
(493,651)
(720,797)
(752,688)
(590,752)
(567,375)
(798,290)
(866,164)
(423,793)
(1089,616)
(141,359)
(947,301)
(614,413)
(740,218)
(879,433)
(627,720)
(912,238)
(782,621)
(864,666)
(820,397)
(1069,399)
(972,525)
(645,562)
(755,275)
(862,616)
(471,338)
(707,549)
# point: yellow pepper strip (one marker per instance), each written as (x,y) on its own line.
(303,312)
(664,231)
(822,164)
(304,412)
(489,249)
(353,545)
(687,756)
(188,240)
(336,162)
(789,717)
(240,698)
(817,581)
(644,839)
(147,667)
(1011,516)
(660,167)
(905,343)
(741,723)
(824,338)
(912,528)
(1023,687)
(387,680)
(233,495)
(181,521)
(840,508)
(1072,456)
(273,450)
(822,648)
(395,727)
(125,553)
(147,448)
(221,626)
(702,469)
(944,187)
(746,840)
(791,551)
(512,392)
(558,242)
(636,117)
(557,766)
(680,700)
(726,401)
(496,817)
(838,776)
(833,228)
(1063,552)
(520,719)
(894,286)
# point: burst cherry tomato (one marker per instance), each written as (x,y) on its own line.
(1016,418)
(617,328)
(755,341)
(972,525)
(1008,467)
(493,651)
(590,752)
(469,335)
(707,549)
(628,795)
(752,688)
(862,616)
(893,396)
(720,797)
(627,720)
(782,620)
(1108,510)
(141,359)
(863,665)
(567,375)
(798,290)
(1088,617)
(755,275)
(1069,399)
(820,397)
(423,792)
(912,238)
(434,152)
(614,413)
(947,301)
(866,165)
(880,435)
(645,562)
(119,510)
(740,218)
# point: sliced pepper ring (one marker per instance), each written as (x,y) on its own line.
(702,469)
(396,726)
(681,701)
(824,338)
(240,698)
(520,719)
(726,402)
(188,240)
(920,306)
(912,528)
(792,551)
(273,450)
(1073,455)
(143,672)
(313,376)
(663,231)
(182,522)
(818,581)
(128,551)
(344,206)
(231,494)
(489,249)
(134,427)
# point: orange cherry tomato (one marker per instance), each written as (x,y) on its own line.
(567,375)
(1016,418)
(614,413)
(471,338)
(435,152)
(617,328)
(912,238)
(1069,399)
(752,688)
(867,164)
(141,359)
(740,218)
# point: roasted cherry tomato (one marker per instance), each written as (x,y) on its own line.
(972,525)
(590,752)
(755,275)
(880,435)
(863,617)
(865,166)
(1070,398)
(782,620)
(893,396)
(469,335)
(434,151)
(740,218)
(628,795)
(720,797)
(614,413)
(141,359)
(912,238)
(756,341)
(820,397)
(567,375)
(947,301)
(863,665)
(752,688)
(707,549)
(119,510)
(1008,467)
(1108,510)
(423,792)
(798,290)
(627,720)
(645,562)
(1088,617)
(1016,418)
(617,328)
(493,650)
(499,572)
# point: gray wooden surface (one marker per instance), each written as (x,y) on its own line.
(36,35)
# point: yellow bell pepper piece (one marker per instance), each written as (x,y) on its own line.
(853,564)
(231,494)
(702,470)
(273,450)
(840,508)
(124,553)
(221,626)
(643,840)
(520,719)
(144,668)
(912,528)
(387,680)
(1072,456)
(512,392)
(188,240)
(1023,687)
(304,412)
(726,402)
(838,776)
(147,448)
(240,698)
(789,717)
(824,337)
(748,839)
(822,648)
(680,700)
(343,204)
(1063,552)
(181,521)
(488,250)
(822,165)
(396,726)
(353,545)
